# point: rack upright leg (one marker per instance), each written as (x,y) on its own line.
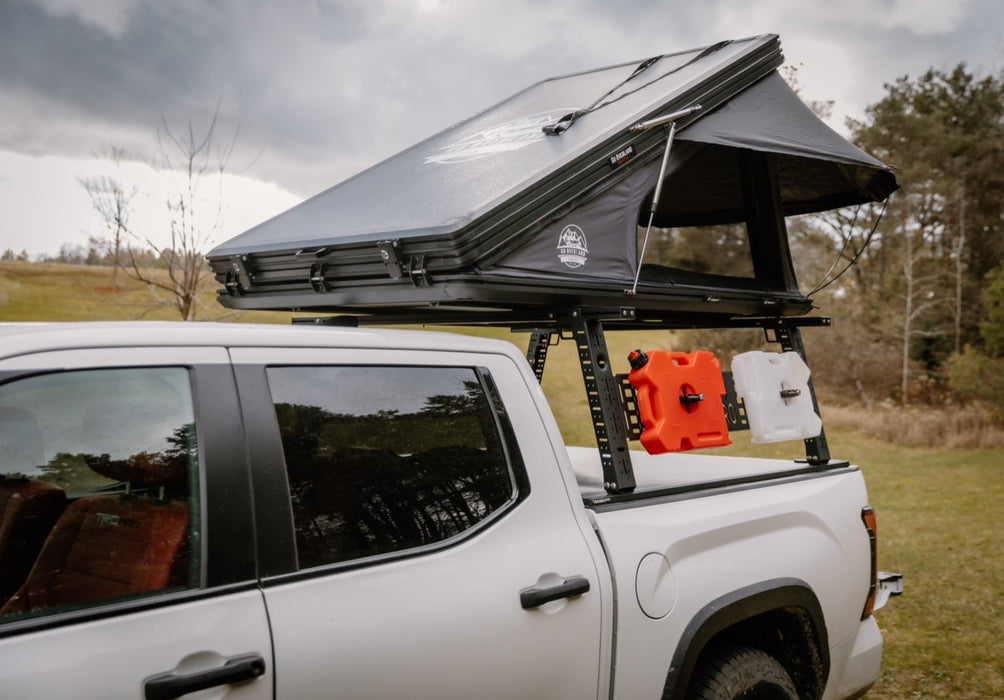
(536,352)
(609,422)
(817,451)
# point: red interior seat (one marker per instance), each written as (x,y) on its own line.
(28,508)
(103,547)
(126,543)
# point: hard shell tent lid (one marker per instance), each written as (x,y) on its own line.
(498,215)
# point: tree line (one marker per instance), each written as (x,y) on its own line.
(924,295)
(97,251)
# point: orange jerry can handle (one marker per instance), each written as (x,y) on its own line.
(680,400)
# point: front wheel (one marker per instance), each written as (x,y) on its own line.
(741,673)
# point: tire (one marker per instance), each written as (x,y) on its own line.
(741,673)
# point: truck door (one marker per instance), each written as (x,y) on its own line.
(412,545)
(126,552)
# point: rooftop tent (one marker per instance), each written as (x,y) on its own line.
(535,203)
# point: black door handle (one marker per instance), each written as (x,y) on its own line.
(534,597)
(166,686)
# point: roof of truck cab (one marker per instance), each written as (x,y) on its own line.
(21,338)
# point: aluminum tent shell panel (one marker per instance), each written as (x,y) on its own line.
(443,184)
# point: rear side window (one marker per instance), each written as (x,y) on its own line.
(386,459)
(98,488)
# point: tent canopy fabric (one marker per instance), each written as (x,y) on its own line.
(818,169)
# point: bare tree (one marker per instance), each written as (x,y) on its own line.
(958,252)
(114,204)
(199,162)
(919,296)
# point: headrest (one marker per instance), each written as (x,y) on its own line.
(20,441)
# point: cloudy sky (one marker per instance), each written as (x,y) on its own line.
(320,89)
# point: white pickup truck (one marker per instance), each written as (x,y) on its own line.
(266,512)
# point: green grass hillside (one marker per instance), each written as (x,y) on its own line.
(58,292)
(941,521)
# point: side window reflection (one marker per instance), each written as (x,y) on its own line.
(385,459)
(98,488)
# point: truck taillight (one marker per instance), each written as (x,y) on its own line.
(871,525)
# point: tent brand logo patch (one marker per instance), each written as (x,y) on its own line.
(572,249)
(622,156)
(510,136)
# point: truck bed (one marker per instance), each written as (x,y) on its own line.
(674,475)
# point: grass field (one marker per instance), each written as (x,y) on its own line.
(941,522)
(56,292)
(940,509)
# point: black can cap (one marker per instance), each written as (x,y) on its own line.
(637,359)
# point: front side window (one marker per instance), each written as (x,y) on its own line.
(385,459)
(98,488)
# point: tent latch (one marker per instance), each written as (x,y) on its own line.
(238,279)
(391,259)
(317,280)
(413,268)
(418,272)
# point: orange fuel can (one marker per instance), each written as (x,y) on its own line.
(680,400)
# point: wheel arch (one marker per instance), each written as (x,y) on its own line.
(782,617)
